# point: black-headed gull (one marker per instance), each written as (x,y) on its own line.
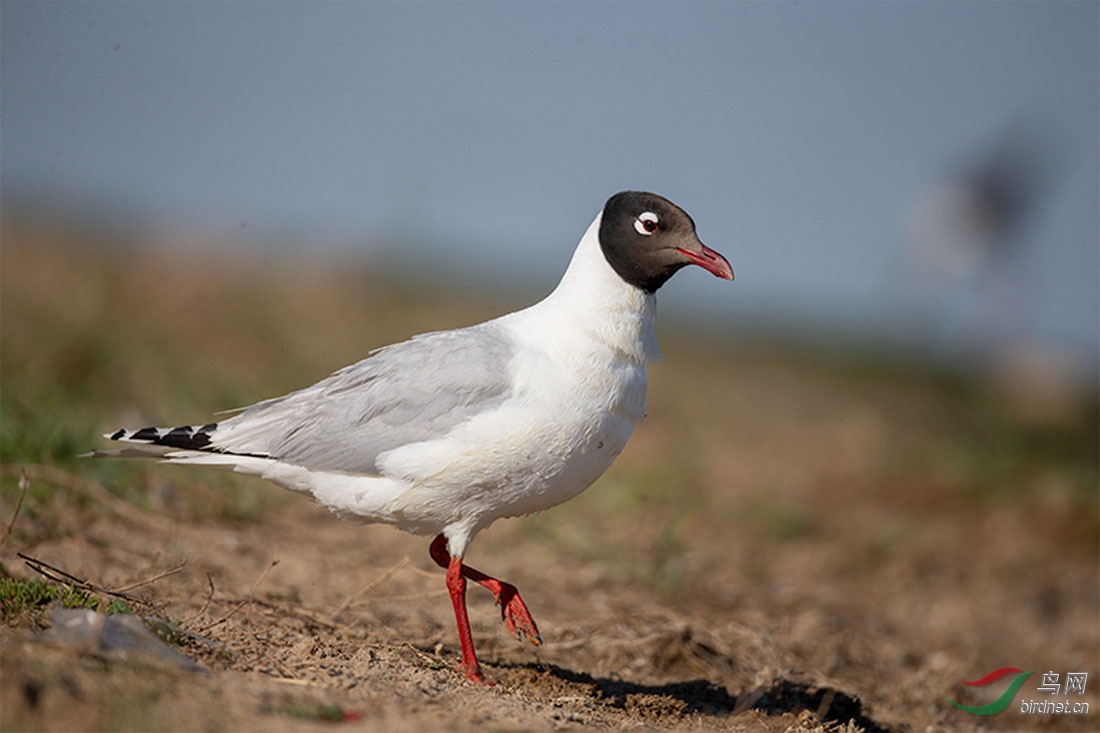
(449,431)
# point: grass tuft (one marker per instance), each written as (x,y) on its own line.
(19,597)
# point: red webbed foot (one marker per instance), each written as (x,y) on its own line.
(513,611)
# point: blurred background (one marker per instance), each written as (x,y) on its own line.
(888,484)
(915,178)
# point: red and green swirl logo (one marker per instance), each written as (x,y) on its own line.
(1001,702)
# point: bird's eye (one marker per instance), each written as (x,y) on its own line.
(646,223)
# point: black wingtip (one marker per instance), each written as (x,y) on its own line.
(150,434)
(185,436)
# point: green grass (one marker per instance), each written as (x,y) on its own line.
(19,597)
(324,712)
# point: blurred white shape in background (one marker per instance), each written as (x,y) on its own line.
(982,209)
(973,266)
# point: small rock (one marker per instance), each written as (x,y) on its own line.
(118,635)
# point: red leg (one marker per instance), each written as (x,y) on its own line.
(456,584)
(517,619)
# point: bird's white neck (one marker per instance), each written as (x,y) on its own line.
(592,295)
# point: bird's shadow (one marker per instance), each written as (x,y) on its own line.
(710,698)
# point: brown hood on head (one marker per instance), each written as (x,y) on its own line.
(646,238)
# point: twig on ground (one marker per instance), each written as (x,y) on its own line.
(426,573)
(408,596)
(249,599)
(750,698)
(283,669)
(205,603)
(24,484)
(60,576)
(368,588)
(426,657)
(162,574)
(290,681)
(280,608)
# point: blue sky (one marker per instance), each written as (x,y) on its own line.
(485,136)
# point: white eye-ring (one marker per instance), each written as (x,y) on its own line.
(646,223)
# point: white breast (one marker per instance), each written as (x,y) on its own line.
(579,378)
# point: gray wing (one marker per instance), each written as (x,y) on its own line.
(412,391)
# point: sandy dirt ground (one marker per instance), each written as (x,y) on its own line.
(788,543)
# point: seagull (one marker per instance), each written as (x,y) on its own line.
(445,433)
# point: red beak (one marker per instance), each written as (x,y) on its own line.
(711,261)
